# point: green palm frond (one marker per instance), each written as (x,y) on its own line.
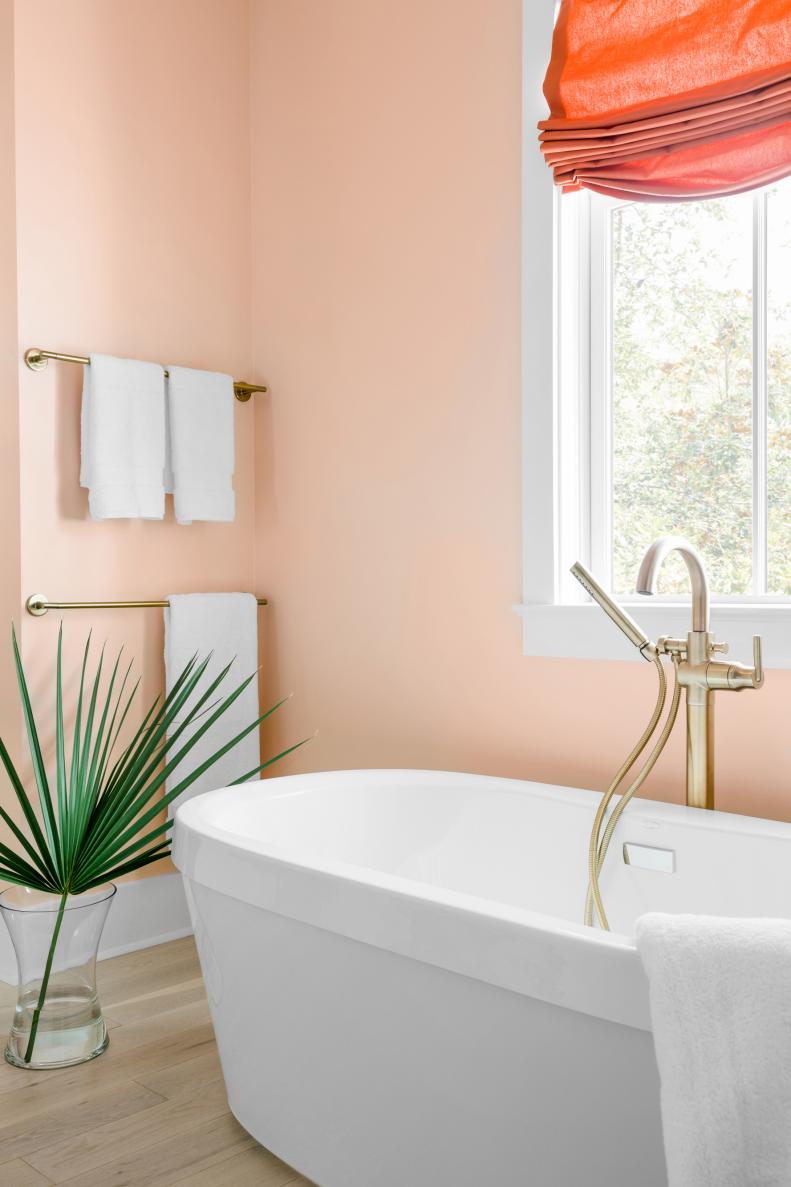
(96,820)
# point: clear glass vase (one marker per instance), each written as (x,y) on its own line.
(58,1020)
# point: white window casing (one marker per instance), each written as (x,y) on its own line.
(565,426)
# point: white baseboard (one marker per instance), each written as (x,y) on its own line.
(144,913)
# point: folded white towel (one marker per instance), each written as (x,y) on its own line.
(200,411)
(123,438)
(226,625)
(720,993)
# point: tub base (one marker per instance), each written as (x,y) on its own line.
(363,1068)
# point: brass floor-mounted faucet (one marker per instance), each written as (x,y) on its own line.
(698,672)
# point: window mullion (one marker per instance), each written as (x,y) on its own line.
(760,414)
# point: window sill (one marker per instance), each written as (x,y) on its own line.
(585,631)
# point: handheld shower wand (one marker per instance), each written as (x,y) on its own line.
(622,620)
(601,833)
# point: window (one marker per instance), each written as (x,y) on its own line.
(657,400)
(688,383)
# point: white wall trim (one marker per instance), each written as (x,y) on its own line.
(585,632)
(146,912)
(539,416)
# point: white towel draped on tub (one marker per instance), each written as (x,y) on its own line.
(200,411)
(226,625)
(720,994)
(123,438)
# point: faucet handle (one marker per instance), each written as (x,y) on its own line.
(720,674)
(720,648)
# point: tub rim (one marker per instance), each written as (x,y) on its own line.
(192,821)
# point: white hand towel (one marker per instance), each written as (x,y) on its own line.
(123,438)
(200,411)
(720,992)
(226,625)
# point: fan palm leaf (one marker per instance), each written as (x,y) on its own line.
(97,820)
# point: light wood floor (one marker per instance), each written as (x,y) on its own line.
(151,1110)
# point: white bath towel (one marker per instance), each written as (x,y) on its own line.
(123,438)
(200,411)
(226,625)
(720,993)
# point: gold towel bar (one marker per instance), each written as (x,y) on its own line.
(38,604)
(36,359)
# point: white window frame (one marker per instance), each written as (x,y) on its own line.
(558,487)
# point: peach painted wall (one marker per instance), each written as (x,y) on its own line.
(379,486)
(386,259)
(9,396)
(133,228)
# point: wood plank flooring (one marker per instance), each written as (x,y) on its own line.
(151,1111)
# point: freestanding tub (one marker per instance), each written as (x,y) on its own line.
(401,987)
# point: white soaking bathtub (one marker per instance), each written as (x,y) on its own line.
(401,987)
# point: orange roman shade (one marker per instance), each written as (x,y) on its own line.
(662,100)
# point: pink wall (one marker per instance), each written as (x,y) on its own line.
(133,229)
(386,144)
(378,487)
(9,396)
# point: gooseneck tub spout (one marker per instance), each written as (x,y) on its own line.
(652,563)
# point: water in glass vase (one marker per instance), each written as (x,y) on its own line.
(58,1019)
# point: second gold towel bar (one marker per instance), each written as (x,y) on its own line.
(37,359)
(38,604)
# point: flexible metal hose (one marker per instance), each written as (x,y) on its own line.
(600,848)
(645,738)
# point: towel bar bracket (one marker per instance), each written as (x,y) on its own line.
(36,359)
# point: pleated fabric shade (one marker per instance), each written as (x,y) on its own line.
(669,100)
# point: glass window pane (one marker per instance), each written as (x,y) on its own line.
(779,389)
(681,387)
